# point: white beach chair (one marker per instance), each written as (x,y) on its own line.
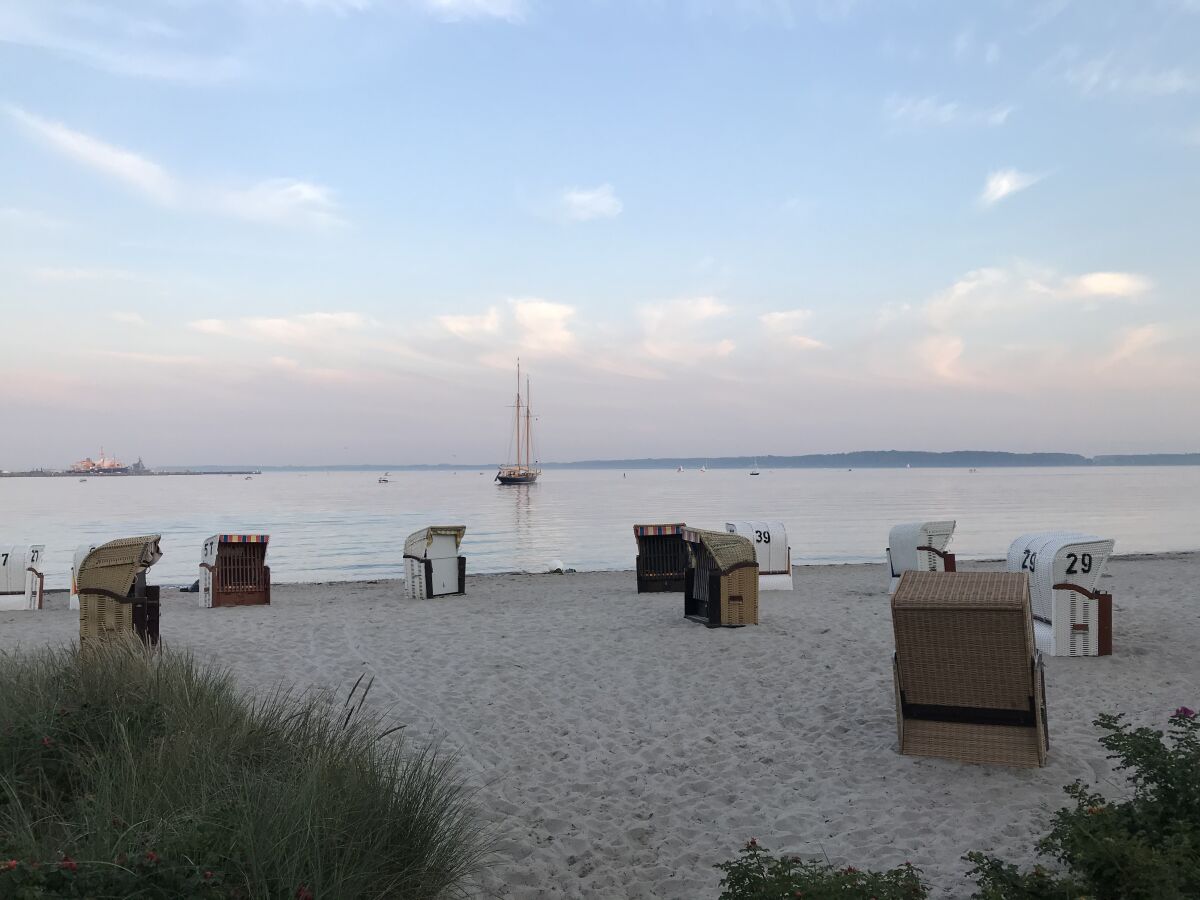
(1071,616)
(433,565)
(81,553)
(919,547)
(772,551)
(21,578)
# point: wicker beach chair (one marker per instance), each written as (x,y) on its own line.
(22,584)
(433,565)
(721,583)
(1071,616)
(771,549)
(113,597)
(234,571)
(969,681)
(919,547)
(662,559)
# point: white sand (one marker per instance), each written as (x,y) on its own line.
(621,750)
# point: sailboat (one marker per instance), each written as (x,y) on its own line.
(523,471)
(754,471)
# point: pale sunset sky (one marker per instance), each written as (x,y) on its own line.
(322,231)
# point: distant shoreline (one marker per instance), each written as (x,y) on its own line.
(861,459)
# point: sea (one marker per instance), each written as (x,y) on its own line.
(347,526)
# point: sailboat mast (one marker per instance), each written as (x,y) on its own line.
(528,432)
(517,418)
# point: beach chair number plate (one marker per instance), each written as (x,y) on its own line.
(1079,563)
(1030,561)
(762,537)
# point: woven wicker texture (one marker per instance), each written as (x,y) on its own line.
(965,640)
(112,567)
(727,550)
(741,583)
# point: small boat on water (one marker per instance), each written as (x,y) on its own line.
(383,481)
(679,469)
(523,471)
(754,471)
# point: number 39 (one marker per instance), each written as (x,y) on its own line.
(762,537)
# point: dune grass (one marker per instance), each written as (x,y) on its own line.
(125,773)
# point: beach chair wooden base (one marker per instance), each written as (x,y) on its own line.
(731,600)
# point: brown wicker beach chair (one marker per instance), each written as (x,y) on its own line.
(721,584)
(969,682)
(234,571)
(113,597)
(662,559)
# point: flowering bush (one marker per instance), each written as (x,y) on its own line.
(757,875)
(1144,847)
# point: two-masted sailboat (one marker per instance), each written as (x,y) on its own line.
(523,471)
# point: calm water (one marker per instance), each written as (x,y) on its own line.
(347,526)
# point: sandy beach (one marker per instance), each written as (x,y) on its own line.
(619,750)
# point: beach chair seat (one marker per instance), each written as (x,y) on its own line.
(22,583)
(77,559)
(721,582)
(969,681)
(234,571)
(433,564)
(662,559)
(771,549)
(919,547)
(114,599)
(1071,615)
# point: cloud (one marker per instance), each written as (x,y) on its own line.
(127,318)
(51,274)
(784,326)
(543,326)
(933,111)
(675,331)
(144,176)
(470,327)
(586,204)
(457,10)
(990,293)
(278,201)
(307,329)
(1104,75)
(966,48)
(1004,182)
(1136,341)
(941,355)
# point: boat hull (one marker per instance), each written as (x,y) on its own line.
(529,478)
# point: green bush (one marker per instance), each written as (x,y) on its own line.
(130,774)
(1145,847)
(757,875)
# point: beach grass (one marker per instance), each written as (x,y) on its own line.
(130,773)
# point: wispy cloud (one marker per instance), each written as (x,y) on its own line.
(785,326)
(586,204)
(986,294)
(281,201)
(1005,182)
(543,326)
(50,274)
(316,329)
(127,318)
(457,10)
(472,327)
(967,48)
(1107,75)
(931,110)
(676,331)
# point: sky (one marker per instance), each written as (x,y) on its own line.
(323,231)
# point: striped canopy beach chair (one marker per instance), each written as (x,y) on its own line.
(721,583)
(1071,615)
(234,570)
(968,679)
(662,559)
(22,583)
(114,599)
(919,547)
